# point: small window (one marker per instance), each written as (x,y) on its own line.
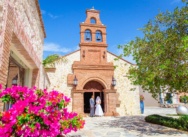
(98,36)
(93,21)
(88,36)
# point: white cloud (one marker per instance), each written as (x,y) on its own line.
(43,12)
(52,16)
(53,47)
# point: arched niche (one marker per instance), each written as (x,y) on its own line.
(98,36)
(93,20)
(88,36)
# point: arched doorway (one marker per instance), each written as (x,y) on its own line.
(93,88)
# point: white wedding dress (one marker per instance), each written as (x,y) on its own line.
(98,109)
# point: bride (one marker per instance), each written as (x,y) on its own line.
(98,110)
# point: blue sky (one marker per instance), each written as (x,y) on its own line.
(123,18)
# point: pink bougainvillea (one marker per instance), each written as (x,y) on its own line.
(37,113)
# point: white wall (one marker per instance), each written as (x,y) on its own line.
(58,78)
(130,104)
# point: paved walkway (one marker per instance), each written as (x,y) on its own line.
(128,126)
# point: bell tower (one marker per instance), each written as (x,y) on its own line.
(93,38)
(93,74)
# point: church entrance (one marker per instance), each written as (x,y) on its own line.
(87,96)
(93,88)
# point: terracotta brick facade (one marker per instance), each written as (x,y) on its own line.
(21,35)
(13,71)
(5,44)
(15,34)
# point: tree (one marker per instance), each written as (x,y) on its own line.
(50,59)
(161,54)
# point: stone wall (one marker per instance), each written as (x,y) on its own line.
(21,29)
(21,33)
(2,26)
(58,78)
(28,14)
(44,82)
(129,99)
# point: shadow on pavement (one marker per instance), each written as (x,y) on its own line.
(137,123)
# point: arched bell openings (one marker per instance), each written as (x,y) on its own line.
(98,36)
(88,36)
(93,20)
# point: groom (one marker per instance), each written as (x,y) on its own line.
(92,106)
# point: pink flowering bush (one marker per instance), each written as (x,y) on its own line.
(37,113)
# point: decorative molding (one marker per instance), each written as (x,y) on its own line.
(93,50)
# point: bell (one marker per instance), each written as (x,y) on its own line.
(98,38)
(87,38)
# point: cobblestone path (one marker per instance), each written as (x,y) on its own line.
(127,126)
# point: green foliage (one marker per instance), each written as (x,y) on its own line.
(177,123)
(61,104)
(8,98)
(161,54)
(50,59)
(184,99)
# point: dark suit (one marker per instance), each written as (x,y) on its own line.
(92,107)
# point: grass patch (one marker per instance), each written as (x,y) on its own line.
(177,123)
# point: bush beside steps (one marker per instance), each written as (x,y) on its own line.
(177,123)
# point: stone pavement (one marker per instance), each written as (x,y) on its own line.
(128,126)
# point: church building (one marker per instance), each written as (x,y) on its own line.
(92,70)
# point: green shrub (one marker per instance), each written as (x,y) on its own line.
(183,120)
(177,123)
(184,99)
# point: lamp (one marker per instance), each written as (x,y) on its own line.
(113,81)
(75,81)
(15,80)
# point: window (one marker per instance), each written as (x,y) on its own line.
(93,21)
(88,35)
(98,36)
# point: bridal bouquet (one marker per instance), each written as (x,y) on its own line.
(37,113)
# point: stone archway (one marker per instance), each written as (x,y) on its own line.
(93,85)
(92,88)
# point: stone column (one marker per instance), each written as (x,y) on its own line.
(5,44)
(78,102)
(35,77)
